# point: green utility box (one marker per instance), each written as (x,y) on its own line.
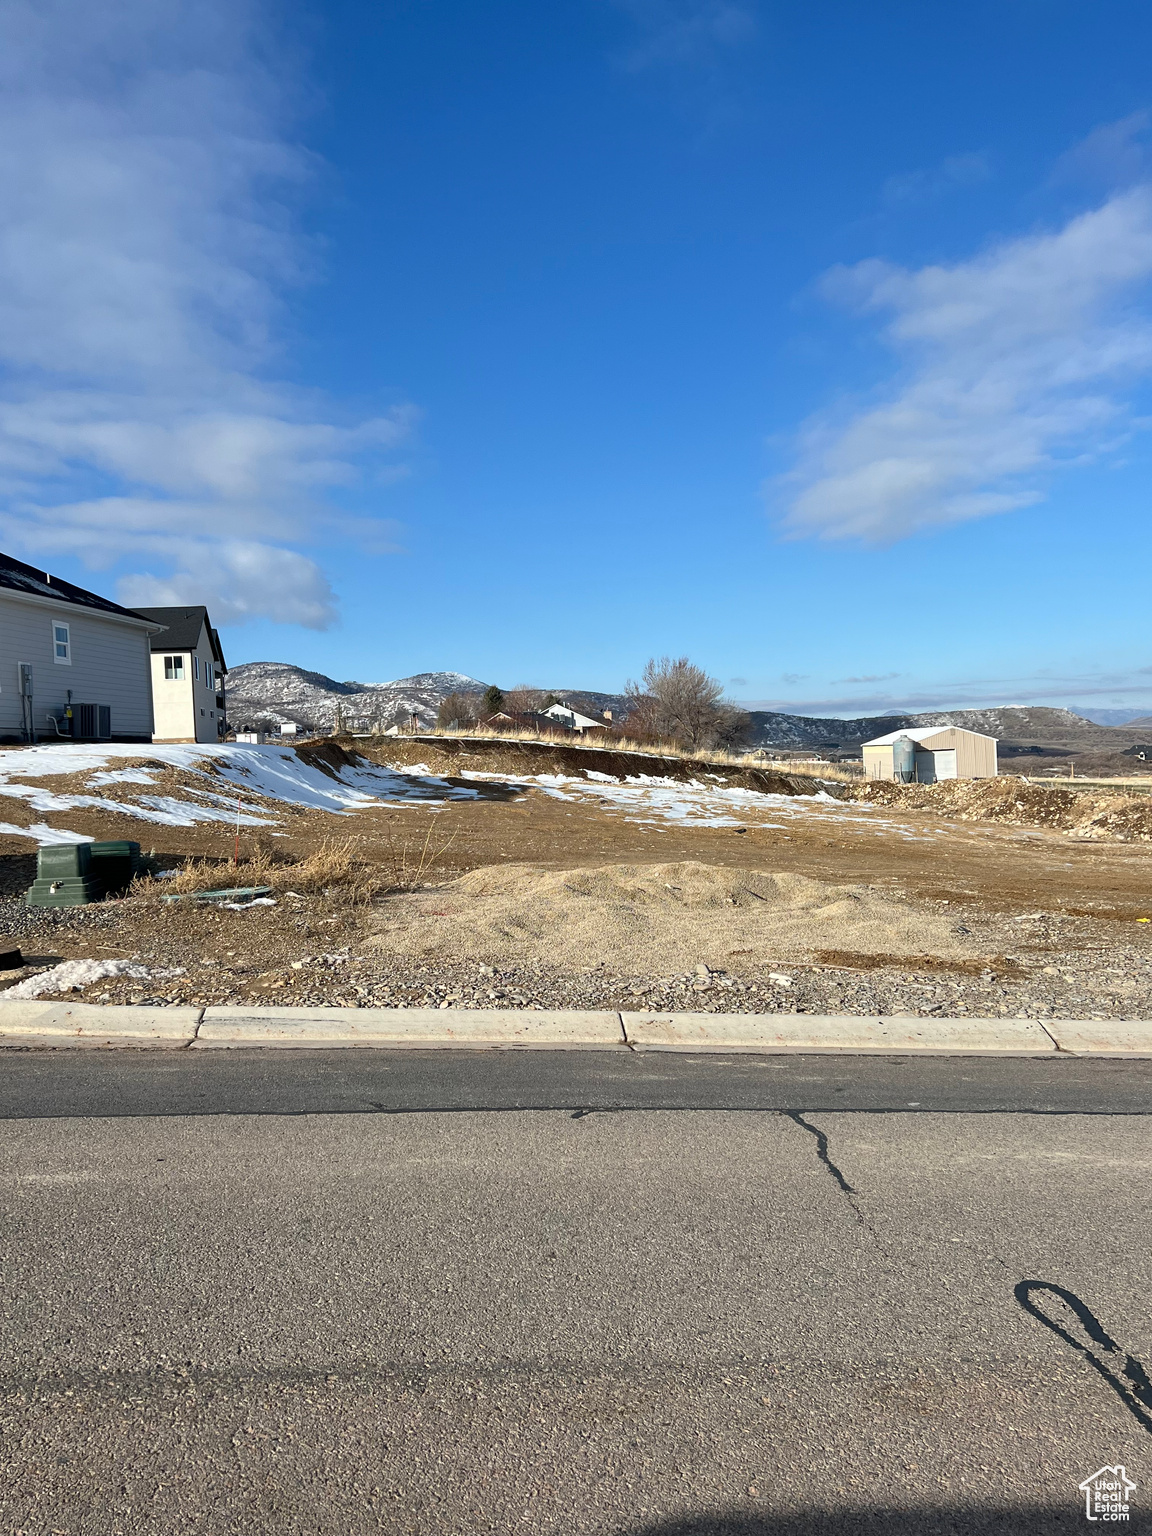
(114,865)
(64,877)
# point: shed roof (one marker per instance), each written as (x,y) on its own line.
(18,577)
(921,733)
(182,628)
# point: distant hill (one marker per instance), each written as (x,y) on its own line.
(262,692)
(1111,716)
(1030,725)
(278,692)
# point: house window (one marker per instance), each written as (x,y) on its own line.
(208,674)
(61,644)
(196,668)
(174,669)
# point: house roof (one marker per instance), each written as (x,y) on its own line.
(182,628)
(922,733)
(571,716)
(18,577)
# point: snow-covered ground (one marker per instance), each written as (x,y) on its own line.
(674,802)
(232,776)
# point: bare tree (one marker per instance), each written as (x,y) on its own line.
(458,711)
(526,700)
(677,700)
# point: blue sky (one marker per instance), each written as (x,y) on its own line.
(813,341)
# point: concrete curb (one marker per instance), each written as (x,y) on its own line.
(320,1028)
(26,1023)
(795,1032)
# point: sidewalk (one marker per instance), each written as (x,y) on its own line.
(28,1024)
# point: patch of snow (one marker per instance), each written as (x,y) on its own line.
(82,973)
(270,772)
(41,833)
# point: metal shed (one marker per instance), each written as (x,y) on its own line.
(939,752)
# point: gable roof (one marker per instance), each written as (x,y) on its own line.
(922,733)
(572,717)
(182,628)
(18,577)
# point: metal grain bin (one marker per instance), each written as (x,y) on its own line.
(904,760)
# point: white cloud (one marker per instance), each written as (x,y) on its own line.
(922,186)
(147,170)
(685,31)
(1012,363)
(1112,155)
(1044,688)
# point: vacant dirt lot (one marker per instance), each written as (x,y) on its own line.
(689,886)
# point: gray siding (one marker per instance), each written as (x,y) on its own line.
(111,665)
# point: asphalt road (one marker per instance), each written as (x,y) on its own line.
(562,1292)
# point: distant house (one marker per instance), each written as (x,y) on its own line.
(566,716)
(930,753)
(72,664)
(188,672)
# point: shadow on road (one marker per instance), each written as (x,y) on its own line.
(1123,1372)
(941,1521)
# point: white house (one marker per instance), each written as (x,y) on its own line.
(930,753)
(72,664)
(187,675)
(565,715)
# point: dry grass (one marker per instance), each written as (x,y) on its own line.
(336,868)
(807,767)
(604,742)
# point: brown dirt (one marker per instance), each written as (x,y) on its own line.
(922,850)
(1092,813)
(444,753)
(850,960)
(663,917)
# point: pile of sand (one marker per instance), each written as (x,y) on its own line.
(654,919)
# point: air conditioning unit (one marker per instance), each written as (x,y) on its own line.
(92,722)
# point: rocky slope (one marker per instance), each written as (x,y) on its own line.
(277,692)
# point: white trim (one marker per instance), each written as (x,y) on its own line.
(66,659)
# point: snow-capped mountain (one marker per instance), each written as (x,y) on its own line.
(277,692)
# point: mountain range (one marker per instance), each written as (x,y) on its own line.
(262,693)
(276,692)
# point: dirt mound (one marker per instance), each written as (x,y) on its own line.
(1098,814)
(500,755)
(654,918)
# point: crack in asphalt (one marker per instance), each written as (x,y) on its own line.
(822,1151)
(847,1190)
